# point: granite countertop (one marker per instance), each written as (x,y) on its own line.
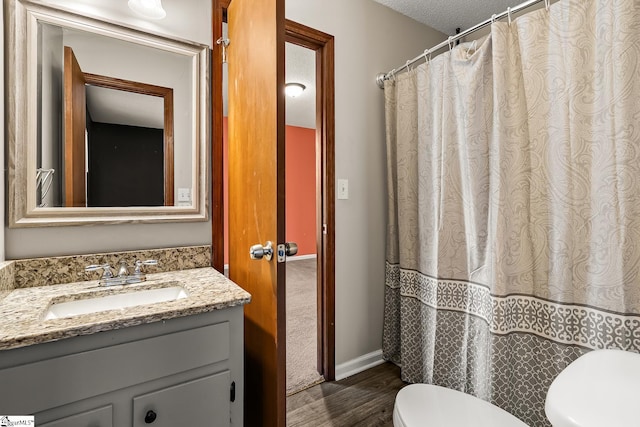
(22,311)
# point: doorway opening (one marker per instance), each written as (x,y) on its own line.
(301,220)
(323,46)
(310,147)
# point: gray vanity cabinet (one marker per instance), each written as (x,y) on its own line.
(181,372)
(202,402)
(100,417)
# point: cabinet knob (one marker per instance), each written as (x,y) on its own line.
(150,417)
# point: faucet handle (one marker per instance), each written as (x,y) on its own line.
(106,270)
(139,265)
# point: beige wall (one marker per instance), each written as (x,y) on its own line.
(50,92)
(369,39)
(186,20)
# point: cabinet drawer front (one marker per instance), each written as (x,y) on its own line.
(101,417)
(39,386)
(201,402)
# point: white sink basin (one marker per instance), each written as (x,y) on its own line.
(114,302)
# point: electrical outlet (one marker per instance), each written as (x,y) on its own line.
(184,194)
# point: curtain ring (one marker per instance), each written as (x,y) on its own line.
(493,18)
(450,40)
(407,64)
(427,55)
(509,15)
(547,3)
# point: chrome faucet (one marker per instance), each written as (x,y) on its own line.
(123,271)
(123,277)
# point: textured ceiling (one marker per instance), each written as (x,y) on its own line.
(447,15)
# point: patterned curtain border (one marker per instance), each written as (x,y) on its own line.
(563,323)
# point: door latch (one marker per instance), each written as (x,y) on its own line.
(286,249)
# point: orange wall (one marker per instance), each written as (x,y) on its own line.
(300,189)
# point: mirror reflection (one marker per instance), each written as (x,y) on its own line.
(107,125)
(126,155)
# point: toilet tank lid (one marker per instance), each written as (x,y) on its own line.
(600,388)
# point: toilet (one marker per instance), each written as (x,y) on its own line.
(600,388)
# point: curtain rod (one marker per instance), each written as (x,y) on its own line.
(380,78)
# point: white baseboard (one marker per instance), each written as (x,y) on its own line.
(359,364)
(301,257)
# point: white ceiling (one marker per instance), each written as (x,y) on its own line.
(300,68)
(447,15)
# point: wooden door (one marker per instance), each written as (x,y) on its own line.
(75,117)
(257,196)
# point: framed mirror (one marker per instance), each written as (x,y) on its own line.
(105,124)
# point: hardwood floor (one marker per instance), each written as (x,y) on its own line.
(365,399)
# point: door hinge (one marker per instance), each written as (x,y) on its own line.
(225,44)
(324,228)
(232,393)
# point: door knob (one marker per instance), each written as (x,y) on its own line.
(290,248)
(259,251)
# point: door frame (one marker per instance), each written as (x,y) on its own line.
(219,15)
(323,45)
(166,93)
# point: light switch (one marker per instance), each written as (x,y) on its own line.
(184,194)
(343,189)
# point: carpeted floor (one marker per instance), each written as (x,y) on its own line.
(301,326)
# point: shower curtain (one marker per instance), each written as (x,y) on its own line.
(513,241)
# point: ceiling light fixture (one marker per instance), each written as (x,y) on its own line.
(294,89)
(151,9)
